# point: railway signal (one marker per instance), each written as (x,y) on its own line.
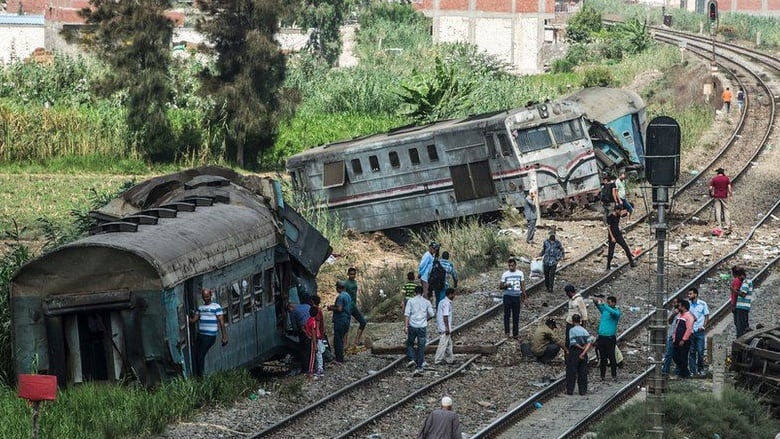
(662,169)
(712,15)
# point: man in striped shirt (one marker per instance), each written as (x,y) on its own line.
(210,319)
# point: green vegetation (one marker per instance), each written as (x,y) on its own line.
(690,413)
(106,411)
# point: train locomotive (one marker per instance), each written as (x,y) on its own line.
(454,168)
(114,304)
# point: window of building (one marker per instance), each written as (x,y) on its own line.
(394,161)
(433,155)
(357,168)
(373,161)
(414,156)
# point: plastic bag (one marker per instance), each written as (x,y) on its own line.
(537,269)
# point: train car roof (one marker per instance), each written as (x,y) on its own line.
(185,224)
(605,104)
(404,134)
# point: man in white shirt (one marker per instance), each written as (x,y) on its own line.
(444,321)
(418,311)
(701,312)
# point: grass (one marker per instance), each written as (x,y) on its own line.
(690,413)
(109,411)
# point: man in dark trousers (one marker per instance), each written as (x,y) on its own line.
(442,423)
(577,360)
(605,343)
(681,338)
(210,320)
(552,252)
(615,236)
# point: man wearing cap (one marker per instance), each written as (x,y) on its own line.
(552,252)
(442,423)
(342,314)
(576,306)
(720,191)
(546,343)
(426,264)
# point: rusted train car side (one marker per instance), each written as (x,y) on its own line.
(453,168)
(115,304)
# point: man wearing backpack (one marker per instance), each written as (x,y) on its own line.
(438,279)
(608,194)
(426,265)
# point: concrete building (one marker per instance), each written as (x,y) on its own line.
(511,30)
(20,35)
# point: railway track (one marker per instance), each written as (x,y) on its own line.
(394,398)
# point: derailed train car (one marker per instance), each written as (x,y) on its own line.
(454,168)
(616,121)
(115,304)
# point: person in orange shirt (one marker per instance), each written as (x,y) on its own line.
(726,98)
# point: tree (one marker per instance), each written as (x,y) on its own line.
(436,97)
(583,25)
(248,73)
(133,39)
(324,19)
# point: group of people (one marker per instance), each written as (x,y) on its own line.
(726,97)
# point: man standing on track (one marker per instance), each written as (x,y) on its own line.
(418,311)
(720,191)
(351,287)
(426,264)
(683,327)
(513,284)
(444,352)
(529,210)
(577,361)
(607,338)
(576,306)
(701,314)
(442,423)
(744,298)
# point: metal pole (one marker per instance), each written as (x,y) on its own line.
(658,326)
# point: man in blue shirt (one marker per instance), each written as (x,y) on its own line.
(605,343)
(210,319)
(701,312)
(577,360)
(513,284)
(426,264)
(342,314)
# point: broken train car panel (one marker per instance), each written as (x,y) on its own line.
(617,121)
(755,357)
(115,304)
(453,168)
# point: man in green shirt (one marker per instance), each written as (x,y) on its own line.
(351,286)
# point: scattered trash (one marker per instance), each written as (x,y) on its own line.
(725,276)
(637,251)
(524,260)
(706,253)
(253,396)
(634,309)
(693,172)
(684,244)
(420,407)
(331,259)
(540,405)
(485,404)
(371,371)
(717,231)
(262,392)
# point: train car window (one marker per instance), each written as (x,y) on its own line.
(334,174)
(257,286)
(357,168)
(568,131)
(373,161)
(247,298)
(394,161)
(414,156)
(506,147)
(533,139)
(490,141)
(235,302)
(433,155)
(224,302)
(268,278)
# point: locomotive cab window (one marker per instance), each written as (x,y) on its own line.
(533,139)
(373,161)
(394,162)
(433,155)
(568,131)
(334,174)
(414,156)
(357,168)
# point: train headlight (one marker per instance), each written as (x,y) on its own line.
(544,111)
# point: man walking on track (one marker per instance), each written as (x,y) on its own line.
(616,236)
(726,98)
(720,191)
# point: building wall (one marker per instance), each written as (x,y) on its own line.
(19,41)
(511,30)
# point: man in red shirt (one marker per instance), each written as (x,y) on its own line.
(720,191)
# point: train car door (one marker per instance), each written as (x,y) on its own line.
(469,168)
(188,332)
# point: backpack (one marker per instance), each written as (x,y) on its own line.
(606,193)
(437,276)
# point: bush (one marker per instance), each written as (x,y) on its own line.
(599,76)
